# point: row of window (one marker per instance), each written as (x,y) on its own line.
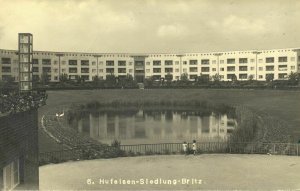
(7,69)
(159,62)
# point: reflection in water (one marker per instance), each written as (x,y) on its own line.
(155,126)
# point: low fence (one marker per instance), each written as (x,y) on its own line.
(216,147)
(171,148)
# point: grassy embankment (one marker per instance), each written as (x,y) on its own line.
(283,105)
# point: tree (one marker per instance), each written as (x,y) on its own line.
(184,77)
(203,79)
(216,78)
(169,78)
(269,78)
(294,78)
(63,78)
(45,78)
(250,78)
(149,81)
(111,80)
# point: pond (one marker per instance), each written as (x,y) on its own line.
(154,126)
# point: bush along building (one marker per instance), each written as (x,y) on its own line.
(262,65)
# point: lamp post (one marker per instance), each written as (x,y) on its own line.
(59,55)
(180,63)
(256,53)
(97,56)
(218,66)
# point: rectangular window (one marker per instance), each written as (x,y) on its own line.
(121,70)
(84,62)
(214,62)
(148,63)
(269,68)
(221,61)
(252,60)
(72,70)
(93,70)
(156,62)
(260,76)
(6,60)
(293,67)
(243,68)
(168,70)
(222,69)
(184,70)
(230,61)
(6,69)
(282,67)
(260,68)
(35,61)
(184,62)
(130,70)
(243,76)
(205,61)
(46,61)
(260,60)
(230,68)
(35,69)
(243,60)
(110,70)
(292,59)
(282,59)
(193,69)
(147,70)
(282,76)
(252,68)
(110,63)
(176,70)
(193,62)
(214,69)
(270,60)
(121,63)
(156,70)
(84,70)
(93,63)
(204,69)
(169,62)
(73,62)
(176,62)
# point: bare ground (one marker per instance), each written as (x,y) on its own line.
(217,172)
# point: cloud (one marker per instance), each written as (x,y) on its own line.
(233,24)
(174,30)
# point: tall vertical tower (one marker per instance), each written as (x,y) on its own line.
(25,62)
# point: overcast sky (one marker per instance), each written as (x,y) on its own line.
(142,26)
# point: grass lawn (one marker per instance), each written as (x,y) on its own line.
(281,104)
(217,172)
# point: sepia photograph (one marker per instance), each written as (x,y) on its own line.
(149,95)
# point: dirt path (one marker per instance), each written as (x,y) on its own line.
(216,171)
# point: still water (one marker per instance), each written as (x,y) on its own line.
(142,127)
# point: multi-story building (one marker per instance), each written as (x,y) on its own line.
(241,65)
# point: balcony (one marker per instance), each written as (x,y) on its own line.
(84,70)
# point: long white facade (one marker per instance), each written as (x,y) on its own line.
(278,63)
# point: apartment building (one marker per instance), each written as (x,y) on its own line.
(278,63)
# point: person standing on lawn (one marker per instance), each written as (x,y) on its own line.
(194,147)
